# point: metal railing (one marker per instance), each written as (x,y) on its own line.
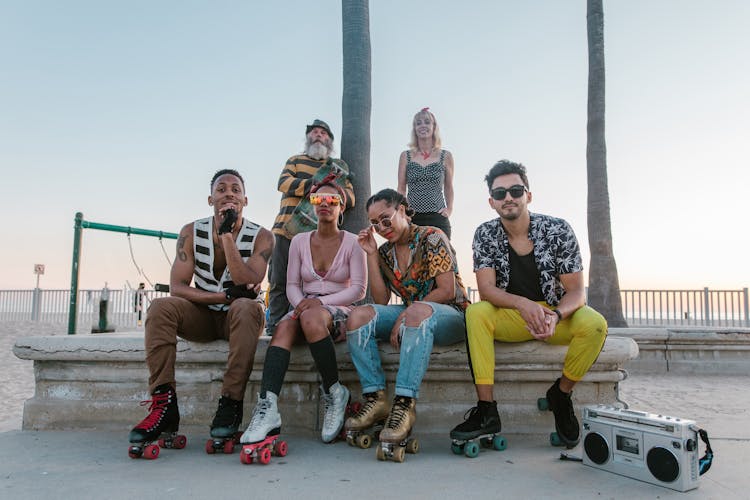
(686,307)
(703,307)
(680,307)
(52,306)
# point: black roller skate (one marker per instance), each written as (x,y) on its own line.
(225,434)
(161,424)
(567,429)
(481,422)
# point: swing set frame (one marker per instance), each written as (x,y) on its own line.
(80,225)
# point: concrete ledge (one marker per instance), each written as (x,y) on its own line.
(690,350)
(96,381)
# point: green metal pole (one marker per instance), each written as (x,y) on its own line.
(73,309)
(81,224)
(127,229)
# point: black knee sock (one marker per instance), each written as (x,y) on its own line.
(324,355)
(274,369)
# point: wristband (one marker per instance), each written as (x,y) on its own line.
(559,315)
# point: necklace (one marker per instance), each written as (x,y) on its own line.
(426,154)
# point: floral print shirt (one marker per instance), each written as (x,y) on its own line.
(556,252)
(430,256)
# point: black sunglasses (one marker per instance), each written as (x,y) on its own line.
(515,192)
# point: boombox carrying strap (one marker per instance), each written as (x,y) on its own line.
(705,462)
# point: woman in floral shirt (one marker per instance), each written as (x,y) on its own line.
(419,265)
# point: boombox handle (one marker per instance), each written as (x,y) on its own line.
(705,462)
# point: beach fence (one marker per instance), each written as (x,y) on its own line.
(699,307)
(52,306)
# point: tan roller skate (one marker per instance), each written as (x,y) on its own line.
(395,438)
(366,424)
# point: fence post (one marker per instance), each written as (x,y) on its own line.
(747,309)
(35,306)
(706,306)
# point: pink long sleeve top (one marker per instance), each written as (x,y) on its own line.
(344,283)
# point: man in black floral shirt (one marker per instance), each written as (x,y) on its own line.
(530,278)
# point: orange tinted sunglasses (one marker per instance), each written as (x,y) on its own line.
(329,198)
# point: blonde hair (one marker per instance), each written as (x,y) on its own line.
(436,142)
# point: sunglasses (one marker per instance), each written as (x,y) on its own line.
(383,223)
(329,199)
(515,192)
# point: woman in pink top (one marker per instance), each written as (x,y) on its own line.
(327,273)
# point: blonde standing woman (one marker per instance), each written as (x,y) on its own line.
(425,174)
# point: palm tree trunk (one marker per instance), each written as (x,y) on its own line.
(604,285)
(356,104)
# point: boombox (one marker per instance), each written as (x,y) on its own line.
(653,448)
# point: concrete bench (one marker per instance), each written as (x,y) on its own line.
(96,381)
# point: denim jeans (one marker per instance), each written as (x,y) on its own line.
(445,326)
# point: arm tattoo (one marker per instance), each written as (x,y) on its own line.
(180,251)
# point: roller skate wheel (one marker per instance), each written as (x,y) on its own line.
(457,449)
(380,453)
(246,457)
(162,443)
(349,440)
(542,404)
(179,442)
(499,443)
(151,452)
(264,456)
(399,454)
(135,452)
(471,449)
(412,446)
(364,441)
(280,448)
(210,447)
(229,447)
(554,439)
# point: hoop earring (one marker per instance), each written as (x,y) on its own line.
(341,219)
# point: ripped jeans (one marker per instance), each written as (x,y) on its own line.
(445,326)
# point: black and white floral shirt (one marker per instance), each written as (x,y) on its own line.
(556,252)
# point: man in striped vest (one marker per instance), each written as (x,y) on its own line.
(225,256)
(296,215)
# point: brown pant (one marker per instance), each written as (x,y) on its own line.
(169,317)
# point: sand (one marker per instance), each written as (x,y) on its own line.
(17,375)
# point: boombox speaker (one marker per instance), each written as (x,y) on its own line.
(657,449)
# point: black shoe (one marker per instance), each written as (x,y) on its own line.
(227,419)
(480,420)
(566,423)
(163,416)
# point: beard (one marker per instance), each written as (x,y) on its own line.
(318,150)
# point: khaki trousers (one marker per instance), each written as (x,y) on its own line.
(170,317)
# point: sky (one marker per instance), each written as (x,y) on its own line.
(124,110)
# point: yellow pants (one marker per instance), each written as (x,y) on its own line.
(584,332)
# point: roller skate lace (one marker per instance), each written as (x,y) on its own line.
(227,413)
(398,413)
(369,405)
(156,411)
(260,412)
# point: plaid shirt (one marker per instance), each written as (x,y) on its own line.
(556,252)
